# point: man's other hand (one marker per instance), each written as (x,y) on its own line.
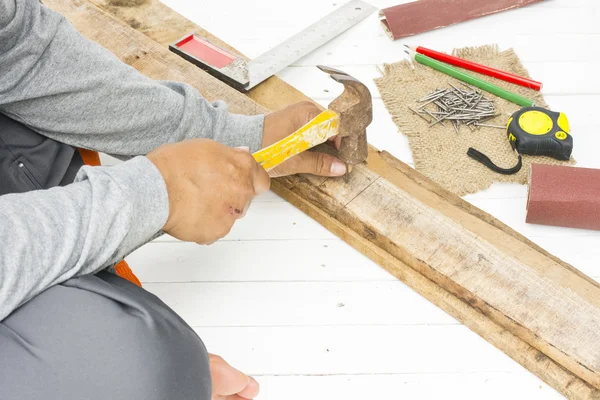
(282,123)
(228,383)
(210,186)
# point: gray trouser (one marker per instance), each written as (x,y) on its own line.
(100,337)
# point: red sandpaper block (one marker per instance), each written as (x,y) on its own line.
(564,196)
(426,15)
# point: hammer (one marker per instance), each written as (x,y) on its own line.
(348,116)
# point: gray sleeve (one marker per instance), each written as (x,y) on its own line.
(73,90)
(49,236)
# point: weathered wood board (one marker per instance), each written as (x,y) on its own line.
(540,311)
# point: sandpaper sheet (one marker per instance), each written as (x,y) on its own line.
(564,196)
(426,15)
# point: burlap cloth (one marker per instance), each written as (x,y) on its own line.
(440,153)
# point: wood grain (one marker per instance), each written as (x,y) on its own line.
(533,307)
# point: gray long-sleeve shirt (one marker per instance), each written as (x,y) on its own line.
(76,92)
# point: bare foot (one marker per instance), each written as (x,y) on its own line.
(228,383)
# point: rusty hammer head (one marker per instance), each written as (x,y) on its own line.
(355,108)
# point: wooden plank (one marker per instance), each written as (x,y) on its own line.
(459,203)
(544,315)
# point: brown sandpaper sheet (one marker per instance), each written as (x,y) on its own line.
(564,196)
(426,15)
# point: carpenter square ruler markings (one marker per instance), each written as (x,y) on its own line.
(244,75)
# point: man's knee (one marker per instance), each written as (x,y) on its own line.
(101,338)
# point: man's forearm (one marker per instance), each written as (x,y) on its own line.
(73,90)
(52,235)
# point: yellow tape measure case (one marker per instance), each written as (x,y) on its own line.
(540,132)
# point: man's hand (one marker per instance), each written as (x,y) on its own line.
(228,383)
(210,186)
(283,123)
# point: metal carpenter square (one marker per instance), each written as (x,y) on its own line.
(244,75)
(222,64)
(307,40)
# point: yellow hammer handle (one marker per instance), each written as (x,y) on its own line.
(318,130)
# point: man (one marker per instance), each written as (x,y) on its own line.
(69,327)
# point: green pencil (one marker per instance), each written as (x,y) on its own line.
(472,80)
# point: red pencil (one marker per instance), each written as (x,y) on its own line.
(482,69)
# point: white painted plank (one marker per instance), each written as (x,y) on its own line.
(273,220)
(274,22)
(472,386)
(315,84)
(580,109)
(581,252)
(499,191)
(512,212)
(318,85)
(384,134)
(375,49)
(270,21)
(255,261)
(356,350)
(566,77)
(298,304)
(319,261)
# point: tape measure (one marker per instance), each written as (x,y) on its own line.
(534,131)
(540,132)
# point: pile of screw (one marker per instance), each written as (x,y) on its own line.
(457,107)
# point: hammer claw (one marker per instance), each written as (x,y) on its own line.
(331,71)
(355,108)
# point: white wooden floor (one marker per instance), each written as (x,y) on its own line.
(316,319)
